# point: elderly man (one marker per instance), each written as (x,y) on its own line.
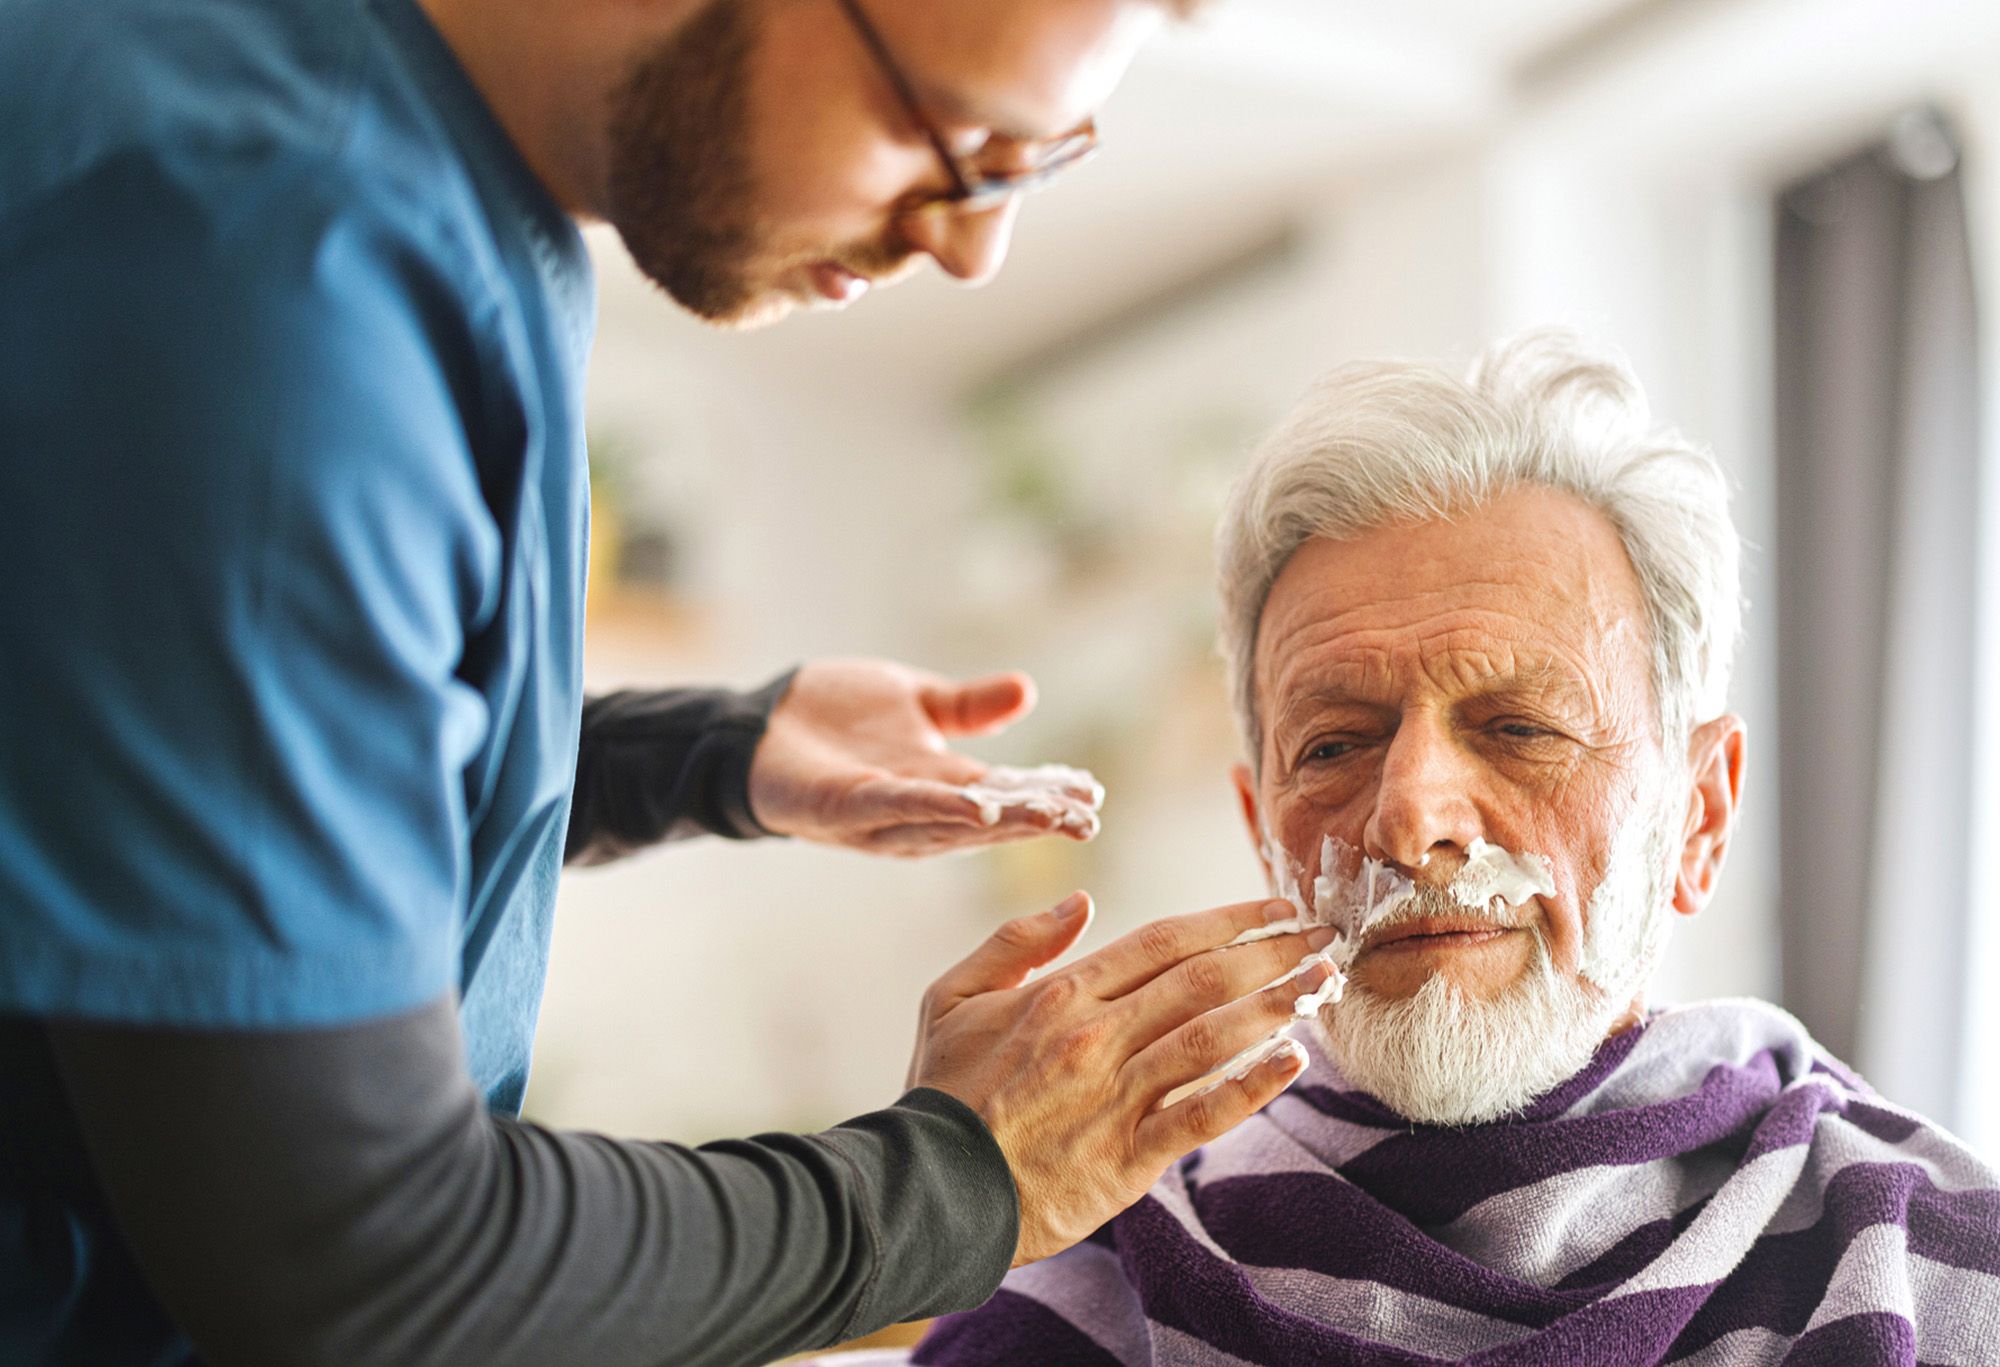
(1480,639)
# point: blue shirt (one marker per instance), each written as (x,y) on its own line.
(293,510)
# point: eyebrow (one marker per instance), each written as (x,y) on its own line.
(1539,677)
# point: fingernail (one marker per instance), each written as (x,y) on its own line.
(1072,906)
(1311,973)
(1290,1058)
(1322,937)
(1279,910)
(985,808)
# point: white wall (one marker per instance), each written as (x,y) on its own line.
(1978,110)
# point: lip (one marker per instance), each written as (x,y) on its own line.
(1440,933)
(835,283)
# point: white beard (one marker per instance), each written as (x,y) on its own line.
(1444,1057)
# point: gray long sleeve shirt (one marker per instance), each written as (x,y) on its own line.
(343,1196)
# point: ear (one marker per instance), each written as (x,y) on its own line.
(1246,799)
(1715,793)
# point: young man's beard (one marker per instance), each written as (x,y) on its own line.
(682,189)
(680,180)
(1445,1057)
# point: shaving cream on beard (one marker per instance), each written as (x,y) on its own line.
(1354,894)
(1445,1057)
(1492,873)
(1351,894)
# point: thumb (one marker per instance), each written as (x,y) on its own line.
(1016,949)
(978,706)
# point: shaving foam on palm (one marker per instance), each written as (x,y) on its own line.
(1070,796)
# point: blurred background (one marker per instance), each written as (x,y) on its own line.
(1786,212)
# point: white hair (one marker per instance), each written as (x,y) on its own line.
(1384,442)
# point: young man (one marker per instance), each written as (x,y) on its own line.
(292,534)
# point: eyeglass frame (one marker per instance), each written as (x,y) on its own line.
(972,190)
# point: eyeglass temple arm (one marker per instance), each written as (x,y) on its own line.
(961,186)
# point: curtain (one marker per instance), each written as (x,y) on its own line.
(1878,449)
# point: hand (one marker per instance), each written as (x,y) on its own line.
(857,754)
(1068,1070)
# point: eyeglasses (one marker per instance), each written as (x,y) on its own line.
(973,188)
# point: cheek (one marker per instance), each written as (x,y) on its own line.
(1575,830)
(839,187)
(1300,816)
(1328,797)
(826,165)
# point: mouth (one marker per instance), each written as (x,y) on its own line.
(835,283)
(1441,932)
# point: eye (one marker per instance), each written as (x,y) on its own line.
(1525,735)
(1327,750)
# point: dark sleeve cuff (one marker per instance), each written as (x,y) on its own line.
(666,764)
(942,1200)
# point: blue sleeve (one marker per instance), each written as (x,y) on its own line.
(243,546)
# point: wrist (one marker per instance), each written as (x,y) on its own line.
(740,795)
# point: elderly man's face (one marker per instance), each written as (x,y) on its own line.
(1421,687)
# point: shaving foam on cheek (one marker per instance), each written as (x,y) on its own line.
(1625,925)
(1285,876)
(1350,894)
(1070,796)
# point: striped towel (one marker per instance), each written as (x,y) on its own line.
(1713,1188)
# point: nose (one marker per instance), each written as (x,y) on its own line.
(967,246)
(1424,798)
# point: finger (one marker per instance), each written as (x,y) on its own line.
(1173,1131)
(1129,963)
(978,706)
(919,842)
(885,803)
(1208,1041)
(1083,788)
(1015,950)
(1051,812)
(916,842)
(1015,822)
(1044,783)
(1177,998)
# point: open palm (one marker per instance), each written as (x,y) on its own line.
(859,754)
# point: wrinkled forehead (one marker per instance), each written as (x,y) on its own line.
(1532,594)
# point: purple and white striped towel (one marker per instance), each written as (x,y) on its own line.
(1712,1189)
